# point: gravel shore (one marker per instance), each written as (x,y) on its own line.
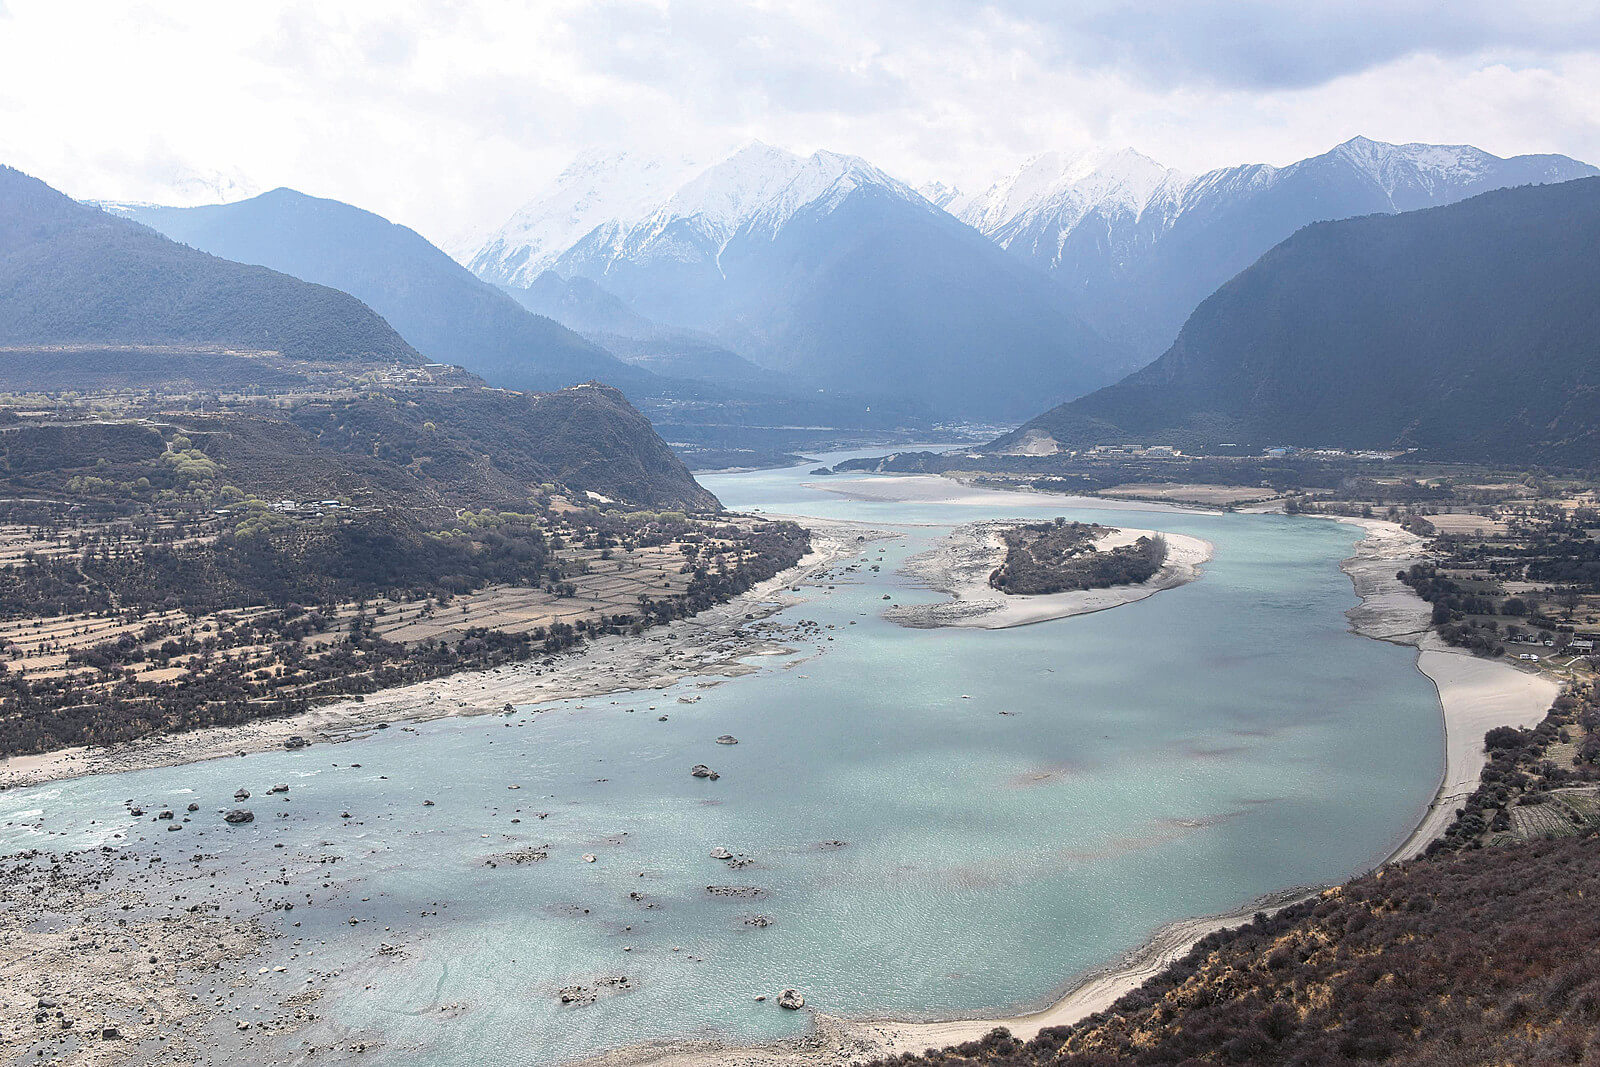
(712,643)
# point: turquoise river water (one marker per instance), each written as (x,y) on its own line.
(917,852)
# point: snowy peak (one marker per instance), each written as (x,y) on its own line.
(1139,246)
(726,195)
(939,194)
(605,210)
(1062,190)
(1399,168)
(823,181)
(596,189)
(1065,187)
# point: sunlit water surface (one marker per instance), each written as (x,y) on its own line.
(1173,757)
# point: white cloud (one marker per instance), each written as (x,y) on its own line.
(447,115)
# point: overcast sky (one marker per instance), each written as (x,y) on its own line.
(446,115)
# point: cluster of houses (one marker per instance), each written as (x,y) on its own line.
(306,507)
(297,508)
(1149,451)
(1578,646)
(1274,452)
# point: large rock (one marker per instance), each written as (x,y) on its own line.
(239,815)
(791,1000)
(700,770)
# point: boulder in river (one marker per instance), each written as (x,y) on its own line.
(700,770)
(720,853)
(727,739)
(279,788)
(239,815)
(791,1000)
(241,793)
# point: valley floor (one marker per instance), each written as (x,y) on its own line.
(1474,695)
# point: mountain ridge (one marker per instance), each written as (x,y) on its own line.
(1467,331)
(71,274)
(437,305)
(1137,246)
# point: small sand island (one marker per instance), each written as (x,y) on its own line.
(1003,574)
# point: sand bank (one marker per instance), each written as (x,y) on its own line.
(714,644)
(936,489)
(1475,695)
(962,562)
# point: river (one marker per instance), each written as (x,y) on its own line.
(924,822)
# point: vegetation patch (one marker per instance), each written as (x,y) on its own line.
(1061,556)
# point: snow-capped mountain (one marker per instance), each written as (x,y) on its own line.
(1057,191)
(597,189)
(1137,246)
(606,211)
(939,194)
(822,266)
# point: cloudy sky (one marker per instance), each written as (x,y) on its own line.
(446,115)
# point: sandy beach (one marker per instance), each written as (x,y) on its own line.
(1475,695)
(962,562)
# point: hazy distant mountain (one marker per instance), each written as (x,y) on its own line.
(72,275)
(437,305)
(1470,331)
(1137,246)
(823,268)
(581,304)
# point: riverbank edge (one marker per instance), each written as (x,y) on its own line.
(1387,610)
(960,565)
(712,645)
